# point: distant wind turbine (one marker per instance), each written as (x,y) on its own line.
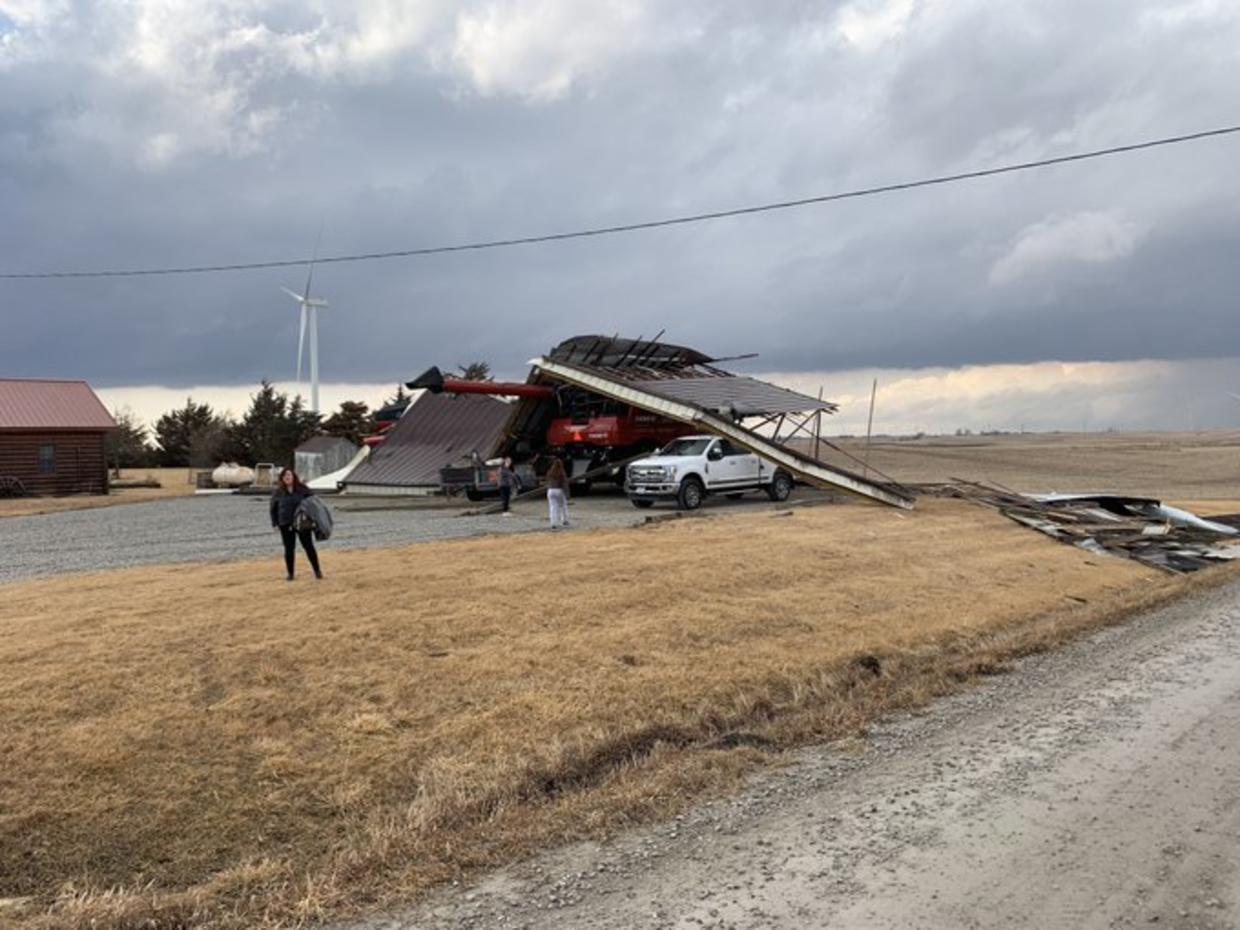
(309,313)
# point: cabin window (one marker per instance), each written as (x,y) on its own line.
(47,459)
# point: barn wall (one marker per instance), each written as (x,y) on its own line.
(80,462)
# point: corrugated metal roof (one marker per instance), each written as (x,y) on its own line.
(682,374)
(738,394)
(31,404)
(613,351)
(324,444)
(437,430)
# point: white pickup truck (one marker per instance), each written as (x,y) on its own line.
(689,468)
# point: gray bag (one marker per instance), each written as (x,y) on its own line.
(312,514)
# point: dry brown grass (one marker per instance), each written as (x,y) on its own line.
(174,482)
(209,745)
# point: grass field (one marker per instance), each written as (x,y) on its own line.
(212,746)
(174,482)
(1185,466)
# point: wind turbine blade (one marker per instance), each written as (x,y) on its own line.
(301,341)
(1233,394)
(297,297)
(314,256)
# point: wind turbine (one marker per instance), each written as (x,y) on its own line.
(309,312)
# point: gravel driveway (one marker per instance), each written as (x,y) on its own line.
(1094,787)
(190,529)
(184,529)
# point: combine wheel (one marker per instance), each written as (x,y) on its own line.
(691,494)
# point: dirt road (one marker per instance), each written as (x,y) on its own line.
(1095,787)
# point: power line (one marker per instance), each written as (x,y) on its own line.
(635,227)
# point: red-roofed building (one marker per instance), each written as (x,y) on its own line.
(52,436)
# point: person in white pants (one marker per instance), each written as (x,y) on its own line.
(557,494)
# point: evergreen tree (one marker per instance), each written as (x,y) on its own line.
(352,421)
(176,430)
(212,444)
(273,427)
(401,397)
(475,371)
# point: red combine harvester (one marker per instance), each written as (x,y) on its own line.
(589,433)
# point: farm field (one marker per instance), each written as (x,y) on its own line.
(209,746)
(1185,466)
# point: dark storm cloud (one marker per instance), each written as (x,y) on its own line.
(168,133)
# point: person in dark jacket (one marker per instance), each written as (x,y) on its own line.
(508,484)
(285,500)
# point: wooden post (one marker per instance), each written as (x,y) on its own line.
(869,429)
(818,426)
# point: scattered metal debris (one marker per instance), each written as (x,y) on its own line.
(1139,528)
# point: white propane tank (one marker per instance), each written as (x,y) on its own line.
(232,475)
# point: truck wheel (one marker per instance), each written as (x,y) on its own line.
(641,502)
(691,494)
(780,486)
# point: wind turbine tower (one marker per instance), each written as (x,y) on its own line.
(310,307)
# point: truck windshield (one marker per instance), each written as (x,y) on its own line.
(685,447)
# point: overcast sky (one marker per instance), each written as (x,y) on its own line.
(157,132)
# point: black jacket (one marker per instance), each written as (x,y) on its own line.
(284,506)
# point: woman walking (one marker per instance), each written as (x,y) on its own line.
(557,494)
(285,500)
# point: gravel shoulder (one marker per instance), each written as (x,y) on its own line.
(1096,786)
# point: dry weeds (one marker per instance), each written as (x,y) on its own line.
(209,745)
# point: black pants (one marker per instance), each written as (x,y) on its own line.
(290,537)
(505,497)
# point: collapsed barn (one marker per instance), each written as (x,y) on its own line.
(433,432)
(597,402)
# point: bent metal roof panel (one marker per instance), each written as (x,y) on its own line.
(737,394)
(437,430)
(682,374)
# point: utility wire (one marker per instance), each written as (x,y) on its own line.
(634,227)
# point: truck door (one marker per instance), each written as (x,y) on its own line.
(718,465)
(744,468)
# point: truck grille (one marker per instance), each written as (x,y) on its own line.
(640,473)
